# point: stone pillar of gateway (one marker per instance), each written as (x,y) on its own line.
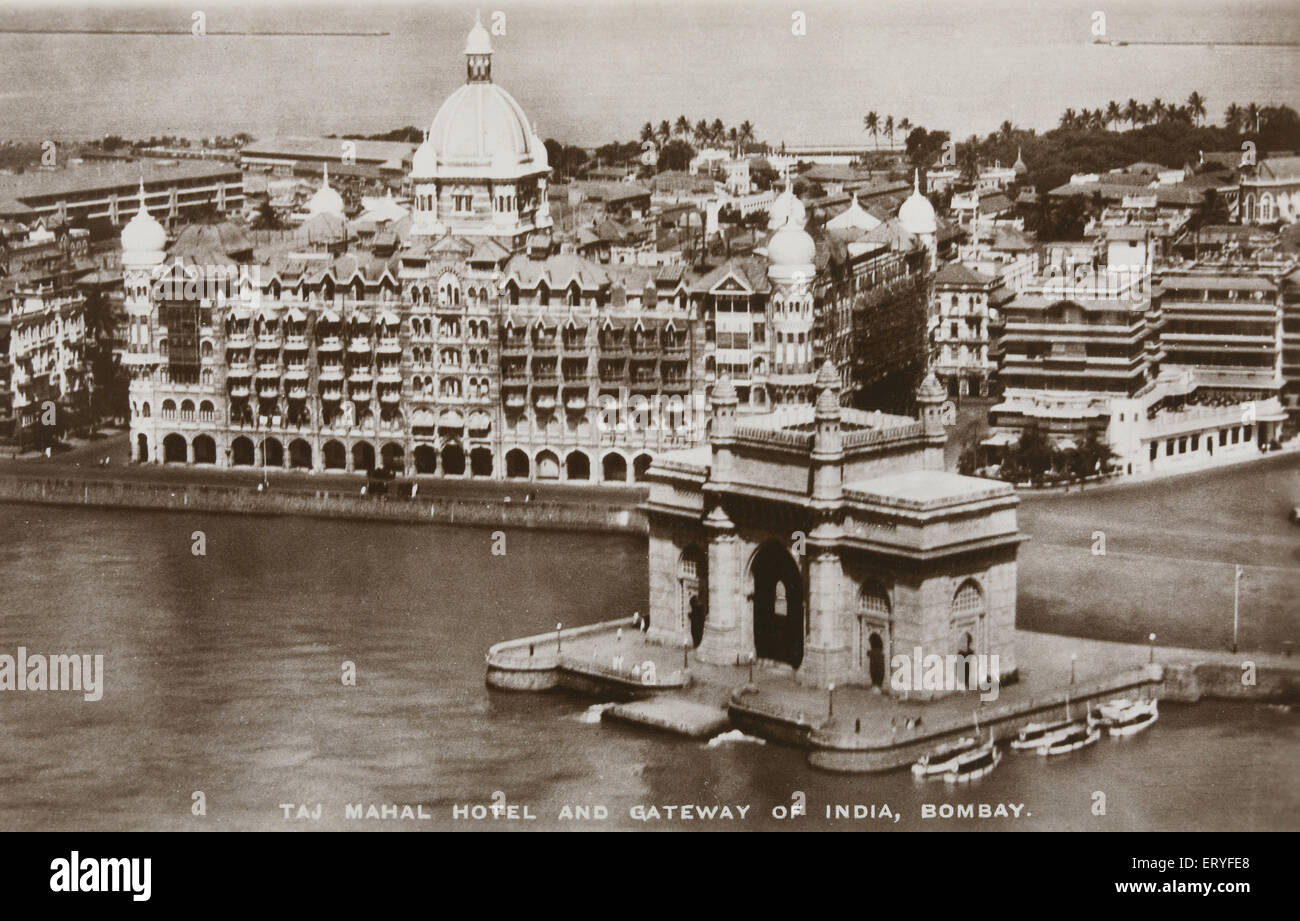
(831,541)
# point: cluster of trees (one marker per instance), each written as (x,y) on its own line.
(1035,459)
(1140,113)
(874,125)
(703,133)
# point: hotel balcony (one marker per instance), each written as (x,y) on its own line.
(360,376)
(267,341)
(331,394)
(295,342)
(615,350)
(576,400)
(390,375)
(331,373)
(544,346)
(239,341)
(268,390)
(268,369)
(239,390)
(298,391)
(390,345)
(390,396)
(516,347)
(515,378)
(676,385)
(297,372)
(330,344)
(359,394)
(645,349)
(239,367)
(545,399)
(677,351)
(359,346)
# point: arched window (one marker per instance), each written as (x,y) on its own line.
(968,600)
(873,601)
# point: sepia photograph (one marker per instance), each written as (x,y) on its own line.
(649,415)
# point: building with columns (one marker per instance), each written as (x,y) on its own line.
(831,540)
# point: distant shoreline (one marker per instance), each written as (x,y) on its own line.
(254,34)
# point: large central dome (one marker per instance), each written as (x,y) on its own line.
(480,131)
(478,123)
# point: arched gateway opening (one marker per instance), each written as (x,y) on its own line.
(778,605)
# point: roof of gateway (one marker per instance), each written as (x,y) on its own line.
(921,489)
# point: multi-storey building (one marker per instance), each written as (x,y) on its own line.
(967,304)
(48,379)
(469,343)
(106,193)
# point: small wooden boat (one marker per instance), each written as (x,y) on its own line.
(1134,720)
(941,760)
(1115,708)
(1069,740)
(974,764)
(1032,735)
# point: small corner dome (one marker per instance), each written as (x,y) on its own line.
(917,215)
(791,245)
(143,234)
(724,391)
(424,164)
(326,201)
(787,207)
(828,404)
(826,377)
(931,390)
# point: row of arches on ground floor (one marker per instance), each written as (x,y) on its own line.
(775,598)
(452,460)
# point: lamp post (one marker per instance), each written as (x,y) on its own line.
(1151,638)
(1074,657)
(558,628)
(1236,604)
(830,702)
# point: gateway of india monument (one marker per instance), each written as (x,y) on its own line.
(829,538)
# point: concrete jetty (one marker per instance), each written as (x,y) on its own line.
(861,730)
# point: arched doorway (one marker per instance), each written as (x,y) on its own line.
(174,450)
(426,459)
(967,627)
(548,466)
(874,614)
(577,466)
(335,455)
(453,460)
(300,454)
(480,462)
(778,605)
(693,591)
(363,456)
(272,453)
(614,468)
(205,450)
(394,457)
(142,448)
(517,464)
(640,465)
(241,452)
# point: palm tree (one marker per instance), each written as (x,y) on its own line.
(905,126)
(701,133)
(746,134)
(1069,119)
(1233,117)
(1113,113)
(889,129)
(682,126)
(665,132)
(1006,129)
(733,138)
(1252,117)
(647,132)
(1196,106)
(1131,112)
(718,130)
(1157,110)
(1144,113)
(871,124)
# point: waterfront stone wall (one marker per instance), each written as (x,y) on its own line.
(324,503)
